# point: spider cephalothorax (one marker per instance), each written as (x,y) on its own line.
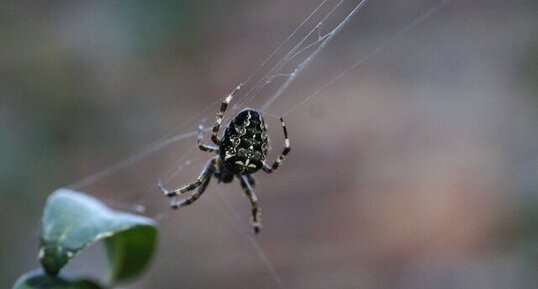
(240,152)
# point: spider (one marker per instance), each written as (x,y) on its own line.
(241,152)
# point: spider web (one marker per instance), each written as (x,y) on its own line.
(268,84)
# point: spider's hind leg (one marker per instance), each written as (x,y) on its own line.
(251,180)
(256,211)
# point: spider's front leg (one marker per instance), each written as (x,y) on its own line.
(220,114)
(201,183)
(256,211)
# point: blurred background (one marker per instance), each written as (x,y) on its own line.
(418,169)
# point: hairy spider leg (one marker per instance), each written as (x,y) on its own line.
(204,147)
(282,156)
(201,180)
(256,211)
(220,115)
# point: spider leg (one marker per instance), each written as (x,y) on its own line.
(220,115)
(200,181)
(199,191)
(282,156)
(256,211)
(251,180)
(204,147)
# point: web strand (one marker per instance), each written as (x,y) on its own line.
(129,161)
(287,40)
(419,20)
(238,224)
(267,78)
(303,65)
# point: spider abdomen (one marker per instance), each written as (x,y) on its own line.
(243,147)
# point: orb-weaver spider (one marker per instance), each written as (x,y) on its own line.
(241,152)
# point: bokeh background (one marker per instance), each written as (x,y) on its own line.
(418,169)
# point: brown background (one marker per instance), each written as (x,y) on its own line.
(416,170)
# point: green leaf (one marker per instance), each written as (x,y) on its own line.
(124,251)
(38,280)
(72,221)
